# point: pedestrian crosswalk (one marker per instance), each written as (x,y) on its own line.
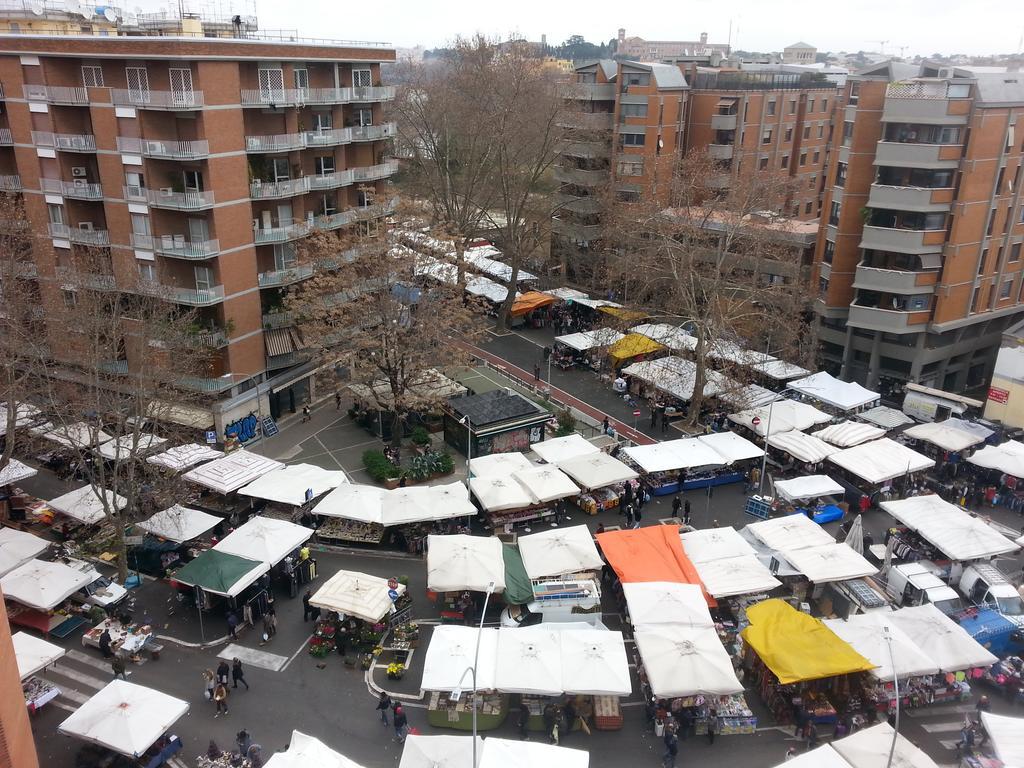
(943,722)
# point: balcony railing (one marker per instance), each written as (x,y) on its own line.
(298,96)
(373,132)
(587,149)
(172,100)
(272,97)
(196,297)
(219,384)
(97,281)
(6,139)
(282,234)
(330,180)
(895,280)
(580,176)
(213,338)
(288,142)
(907,155)
(902,240)
(578,232)
(720,151)
(119,367)
(279,320)
(578,204)
(189,200)
(282,142)
(166,150)
(372,93)
(337,220)
(97,237)
(69,142)
(595,121)
(917,89)
(56,94)
(888,320)
(590,91)
(279,277)
(268,190)
(326,138)
(910,198)
(78,189)
(10,183)
(178,247)
(375,172)
(286,360)
(723,122)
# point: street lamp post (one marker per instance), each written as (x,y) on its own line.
(476,659)
(886,634)
(767,434)
(469,446)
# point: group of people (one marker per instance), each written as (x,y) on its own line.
(215,687)
(678,723)
(399,720)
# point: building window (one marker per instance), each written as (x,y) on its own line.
(817,156)
(766,136)
(811,182)
(771,107)
(638,78)
(792,106)
(828,252)
(362,78)
(138,81)
(789,134)
(633,110)
(833,214)
(1014,253)
(147,271)
(92,77)
(810,105)
(821,130)
(803,158)
(301,76)
(981,262)
(840,174)
(785,162)
(284,256)
(322,121)
(991,222)
(847,132)
(762,164)
(632,139)
(631,166)
(854,93)
(324,164)
(807,131)
(824,105)
(808,208)
(70,297)
(271,83)
(55,213)
(976,300)
(1006,288)
(364,116)
(822,287)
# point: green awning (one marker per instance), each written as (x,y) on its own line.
(220,573)
(518,589)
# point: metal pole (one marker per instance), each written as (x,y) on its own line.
(199,610)
(469,449)
(476,656)
(764,459)
(896,690)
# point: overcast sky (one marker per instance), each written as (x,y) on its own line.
(945,26)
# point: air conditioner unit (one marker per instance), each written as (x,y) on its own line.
(257,182)
(86,226)
(81,183)
(166,191)
(78,171)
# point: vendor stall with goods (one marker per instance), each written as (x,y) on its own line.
(726,563)
(219,480)
(527,494)
(33,655)
(585,349)
(287,493)
(18,548)
(35,595)
(633,347)
(532,309)
(602,479)
(872,467)
(171,539)
(127,639)
(814,496)
(218,578)
(183,457)
(673,466)
(459,565)
(835,394)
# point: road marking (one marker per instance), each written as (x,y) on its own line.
(948,743)
(261,659)
(80,677)
(68,693)
(941,727)
(300,650)
(91,661)
(940,710)
(62,705)
(333,457)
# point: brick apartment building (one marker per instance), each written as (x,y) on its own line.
(198,163)
(17,747)
(919,257)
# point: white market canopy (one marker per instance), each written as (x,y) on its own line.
(566,294)
(42,584)
(558,449)
(124,717)
(130,446)
(790,532)
(529,661)
(779,370)
(18,548)
(847,434)
(232,472)
(496,493)
(822,757)
(179,523)
(786,415)
(749,396)
(587,340)
(885,417)
(26,414)
(676,376)
(943,434)
(801,446)
(1007,737)
(79,435)
(597,470)
(808,487)
(1007,457)
(294,484)
(460,562)
(501,464)
(881,460)
(181,457)
(671,455)
(676,339)
(559,551)
(356,594)
(828,562)
(264,539)
(442,751)
(84,505)
(451,652)
(731,447)
(707,544)
(826,388)
(741,575)
(486,288)
(652,603)
(941,639)
(422,503)
(15,472)
(954,532)
(686,661)
(506,753)
(307,752)
(546,483)
(865,632)
(870,747)
(33,653)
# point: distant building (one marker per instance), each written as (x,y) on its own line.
(660,50)
(799,53)
(1005,400)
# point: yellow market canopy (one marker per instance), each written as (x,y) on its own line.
(632,345)
(797,647)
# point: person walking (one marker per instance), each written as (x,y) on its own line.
(243,740)
(306,608)
(627,511)
(269,625)
(536,371)
(812,735)
(383,705)
(677,504)
(668,760)
(105,644)
(337,401)
(232,625)
(401,723)
(238,674)
(305,412)
(686,511)
(117,665)
(637,515)
(523,722)
(223,670)
(220,699)
(209,683)
(712,725)
(664,421)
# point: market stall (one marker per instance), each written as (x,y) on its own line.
(683,660)
(32,655)
(179,524)
(1007,458)
(674,378)
(846,434)
(439,751)
(944,641)
(264,539)
(654,553)
(15,472)
(797,663)
(632,347)
(880,461)
(778,370)
(129,446)
(654,603)
(77,436)
(125,718)
(294,485)
(747,396)
(461,562)
(215,574)
(505,501)
(126,640)
(792,531)
(363,596)
(601,478)
(783,415)
(40,587)
(828,563)
(307,752)
(885,417)
(560,552)
(505,753)
(1007,737)
(952,435)
(18,548)
(833,392)
(674,338)
(488,290)
(556,449)
(726,563)
(452,651)
(170,540)
(85,505)
(584,348)
(805,449)
(182,457)
(808,487)
(231,472)
(663,463)
(867,748)
(532,309)
(957,534)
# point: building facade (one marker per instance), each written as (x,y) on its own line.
(638,49)
(799,53)
(17,747)
(1005,400)
(918,261)
(197,164)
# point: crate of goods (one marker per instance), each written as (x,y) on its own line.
(607,713)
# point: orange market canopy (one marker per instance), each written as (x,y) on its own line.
(797,647)
(654,553)
(632,345)
(530,301)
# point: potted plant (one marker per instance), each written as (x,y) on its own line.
(381,470)
(420,439)
(396,670)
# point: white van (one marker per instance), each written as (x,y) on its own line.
(560,601)
(985,585)
(100,591)
(917,583)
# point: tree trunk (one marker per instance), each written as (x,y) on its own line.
(396,429)
(700,374)
(501,322)
(460,261)
(120,548)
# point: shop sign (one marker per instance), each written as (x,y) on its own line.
(997,395)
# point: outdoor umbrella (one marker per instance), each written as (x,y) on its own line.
(855,538)
(439,751)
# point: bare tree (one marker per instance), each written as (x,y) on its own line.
(715,259)
(393,329)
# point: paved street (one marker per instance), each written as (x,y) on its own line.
(326,699)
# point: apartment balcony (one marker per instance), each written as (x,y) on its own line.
(286,360)
(720,151)
(282,142)
(175,101)
(66,142)
(374,172)
(56,94)
(723,122)
(272,97)
(189,200)
(210,385)
(907,155)
(593,121)
(96,237)
(579,176)
(279,277)
(888,320)
(6,139)
(903,240)
(94,280)
(374,132)
(587,149)
(590,91)
(287,97)
(583,205)
(116,367)
(282,234)
(274,320)
(270,190)
(921,101)
(10,183)
(895,280)
(334,180)
(582,233)
(371,94)
(165,150)
(176,246)
(910,198)
(214,338)
(719,181)
(194,297)
(78,189)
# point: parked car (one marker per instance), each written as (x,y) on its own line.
(986,586)
(100,591)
